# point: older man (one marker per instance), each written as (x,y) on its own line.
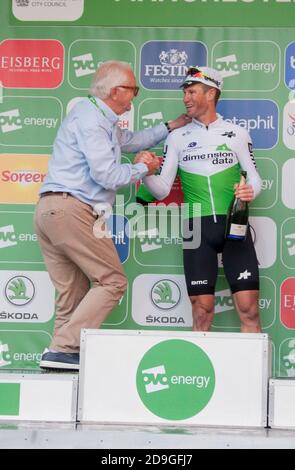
(84,173)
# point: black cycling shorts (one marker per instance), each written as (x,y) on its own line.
(238,257)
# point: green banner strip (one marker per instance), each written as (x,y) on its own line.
(181,13)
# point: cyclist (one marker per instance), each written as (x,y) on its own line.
(208,154)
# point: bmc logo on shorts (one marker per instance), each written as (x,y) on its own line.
(287,310)
(31,63)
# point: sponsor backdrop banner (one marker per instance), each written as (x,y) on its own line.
(45,70)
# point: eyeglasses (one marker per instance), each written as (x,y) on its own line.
(195,72)
(135,89)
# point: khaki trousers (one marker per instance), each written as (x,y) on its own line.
(85,270)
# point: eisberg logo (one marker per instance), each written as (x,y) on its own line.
(290,66)
(287,310)
(175,379)
(30,63)
(258,117)
(164,63)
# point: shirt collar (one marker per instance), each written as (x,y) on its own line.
(107,111)
(211,125)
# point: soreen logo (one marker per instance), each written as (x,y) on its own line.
(22,176)
(175,379)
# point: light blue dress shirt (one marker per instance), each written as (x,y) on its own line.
(86,159)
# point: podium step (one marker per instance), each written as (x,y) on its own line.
(172,377)
(282,403)
(36,396)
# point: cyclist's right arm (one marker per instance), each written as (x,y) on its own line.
(160,185)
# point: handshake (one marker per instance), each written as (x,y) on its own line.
(150,159)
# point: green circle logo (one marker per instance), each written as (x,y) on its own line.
(175,379)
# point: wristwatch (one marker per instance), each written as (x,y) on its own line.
(168,127)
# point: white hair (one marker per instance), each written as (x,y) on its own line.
(108,75)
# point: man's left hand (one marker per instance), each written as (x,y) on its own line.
(244,192)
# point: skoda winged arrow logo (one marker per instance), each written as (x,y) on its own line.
(19,290)
(165,294)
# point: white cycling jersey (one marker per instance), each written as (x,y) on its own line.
(208,160)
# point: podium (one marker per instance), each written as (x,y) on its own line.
(172,377)
(282,403)
(35,396)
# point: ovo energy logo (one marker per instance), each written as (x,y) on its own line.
(175,379)
(248,65)
(86,55)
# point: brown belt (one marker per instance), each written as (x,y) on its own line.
(64,194)
(56,193)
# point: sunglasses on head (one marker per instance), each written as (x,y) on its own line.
(195,72)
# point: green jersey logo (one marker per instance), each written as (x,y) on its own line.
(175,379)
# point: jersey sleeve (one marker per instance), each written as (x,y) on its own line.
(247,161)
(161,184)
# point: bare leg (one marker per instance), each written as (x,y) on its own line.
(246,303)
(202,311)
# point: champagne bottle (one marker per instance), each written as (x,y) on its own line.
(237,216)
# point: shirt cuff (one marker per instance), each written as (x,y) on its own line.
(142,169)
